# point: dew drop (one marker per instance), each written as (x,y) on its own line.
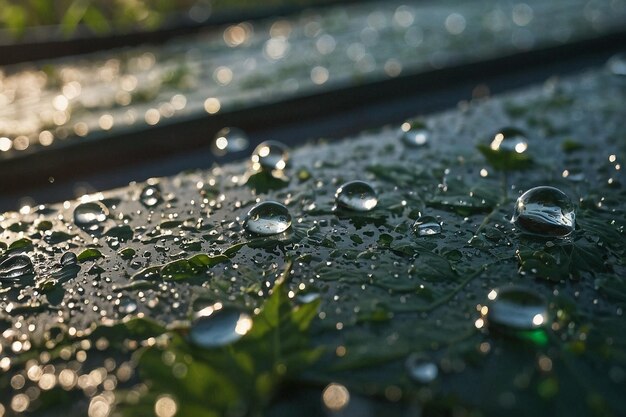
(90,216)
(268,218)
(617,65)
(68,259)
(545,211)
(426,226)
(414,136)
(356,195)
(517,308)
(15,266)
(270,156)
(421,369)
(150,196)
(509,140)
(229,140)
(216,326)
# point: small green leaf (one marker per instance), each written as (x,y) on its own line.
(89,255)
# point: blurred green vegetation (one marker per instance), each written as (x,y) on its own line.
(104,16)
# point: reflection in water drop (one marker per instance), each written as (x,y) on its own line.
(150,196)
(68,259)
(270,156)
(545,211)
(617,65)
(268,218)
(509,140)
(421,369)
(517,308)
(229,140)
(356,195)
(15,266)
(413,135)
(216,326)
(90,216)
(426,226)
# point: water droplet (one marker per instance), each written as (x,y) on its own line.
(216,326)
(15,266)
(127,306)
(426,226)
(509,140)
(414,135)
(229,140)
(270,156)
(421,369)
(306,298)
(545,211)
(150,196)
(69,258)
(617,65)
(356,195)
(517,308)
(90,216)
(268,218)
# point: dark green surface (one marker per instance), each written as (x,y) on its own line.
(384,292)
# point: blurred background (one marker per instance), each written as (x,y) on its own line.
(95,94)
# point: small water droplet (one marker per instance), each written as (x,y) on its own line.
(509,140)
(414,135)
(268,218)
(90,216)
(270,156)
(216,326)
(426,226)
(69,258)
(356,195)
(545,211)
(150,196)
(517,308)
(306,298)
(421,369)
(15,266)
(617,65)
(229,140)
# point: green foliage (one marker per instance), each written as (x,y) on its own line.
(237,379)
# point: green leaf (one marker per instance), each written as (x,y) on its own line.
(241,378)
(89,255)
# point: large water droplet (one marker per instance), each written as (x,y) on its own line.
(356,195)
(68,259)
(127,306)
(228,140)
(150,196)
(90,216)
(15,266)
(545,211)
(216,326)
(270,156)
(414,135)
(509,140)
(617,65)
(426,226)
(268,218)
(421,369)
(517,308)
